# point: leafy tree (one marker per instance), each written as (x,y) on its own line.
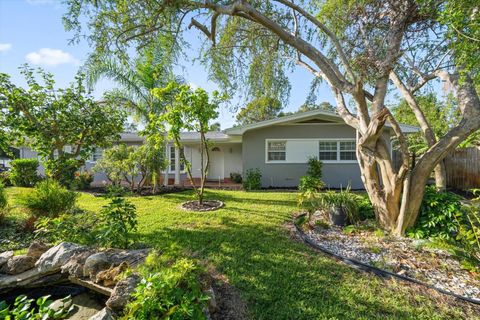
(63,125)
(323,106)
(355,47)
(259,109)
(190,110)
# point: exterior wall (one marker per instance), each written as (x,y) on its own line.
(335,175)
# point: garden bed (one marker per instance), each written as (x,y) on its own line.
(403,256)
(207,205)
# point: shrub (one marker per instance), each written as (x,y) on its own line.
(82,181)
(119,220)
(344,200)
(23,309)
(315,168)
(115,191)
(3,202)
(437,216)
(168,291)
(49,199)
(253,179)
(310,183)
(5,178)
(62,170)
(236,177)
(79,227)
(365,208)
(24,172)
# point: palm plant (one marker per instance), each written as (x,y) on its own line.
(136,79)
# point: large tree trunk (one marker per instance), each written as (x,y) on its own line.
(441,177)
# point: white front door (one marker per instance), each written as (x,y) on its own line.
(215,170)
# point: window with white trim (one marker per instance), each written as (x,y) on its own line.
(172,159)
(328,150)
(277,150)
(348,150)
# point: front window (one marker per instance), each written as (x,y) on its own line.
(277,150)
(327,150)
(172,159)
(347,150)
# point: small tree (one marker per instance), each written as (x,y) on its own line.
(63,125)
(190,110)
(117,163)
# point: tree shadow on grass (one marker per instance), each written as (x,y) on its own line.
(282,279)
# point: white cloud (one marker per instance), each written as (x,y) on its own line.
(4,47)
(50,57)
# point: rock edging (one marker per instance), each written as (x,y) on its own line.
(372,269)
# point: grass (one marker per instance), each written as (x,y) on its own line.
(277,276)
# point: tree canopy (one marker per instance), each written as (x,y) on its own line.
(63,125)
(357,48)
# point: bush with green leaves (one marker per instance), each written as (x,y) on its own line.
(253,179)
(119,221)
(365,207)
(81,181)
(315,168)
(313,180)
(49,199)
(24,172)
(438,216)
(80,227)
(3,202)
(343,199)
(310,183)
(23,309)
(236,177)
(5,178)
(168,290)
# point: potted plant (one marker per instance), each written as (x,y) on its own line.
(341,207)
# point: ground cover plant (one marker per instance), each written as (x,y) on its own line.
(279,278)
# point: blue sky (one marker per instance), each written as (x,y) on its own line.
(32,31)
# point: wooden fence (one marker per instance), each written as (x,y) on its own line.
(462,168)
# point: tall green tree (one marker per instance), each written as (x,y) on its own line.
(190,110)
(352,46)
(63,125)
(259,109)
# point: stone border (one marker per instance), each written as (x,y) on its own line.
(371,269)
(219,205)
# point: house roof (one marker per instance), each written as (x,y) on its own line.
(307,115)
(217,136)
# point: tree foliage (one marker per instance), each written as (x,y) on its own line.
(260,109)
(190,110)
(63,125)
(355,47)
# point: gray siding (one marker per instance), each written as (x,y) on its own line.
(288,174)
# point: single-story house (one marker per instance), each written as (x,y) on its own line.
(280,148)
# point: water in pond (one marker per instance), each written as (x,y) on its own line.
(86,302)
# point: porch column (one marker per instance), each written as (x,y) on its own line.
(177,166)
(167,157)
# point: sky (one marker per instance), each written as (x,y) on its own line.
(31,31)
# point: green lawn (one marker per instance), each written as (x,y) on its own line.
(278,277)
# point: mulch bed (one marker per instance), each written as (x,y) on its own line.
(208,205)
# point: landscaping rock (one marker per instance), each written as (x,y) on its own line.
(36,249)
(95,263)
(104,314)
(121,293)
(55,257)
(74,266)
(108,278)
(18,264)
(4,257)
